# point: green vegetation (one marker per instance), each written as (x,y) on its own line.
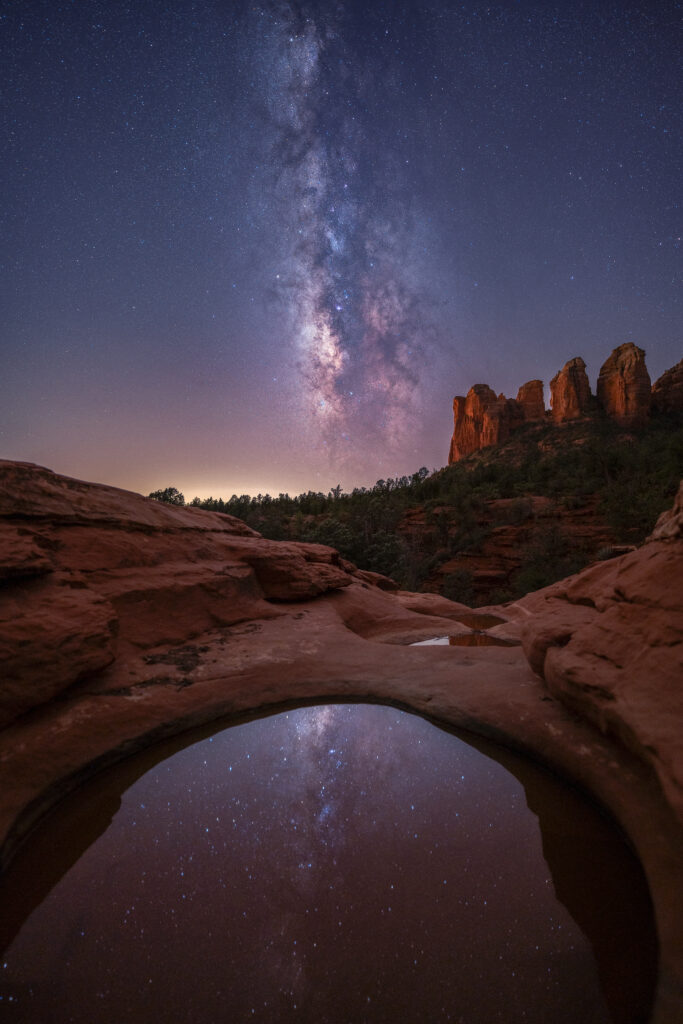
(170,496)
(408,527)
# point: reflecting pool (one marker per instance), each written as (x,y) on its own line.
(335,863)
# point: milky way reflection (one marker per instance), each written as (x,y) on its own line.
(333,863)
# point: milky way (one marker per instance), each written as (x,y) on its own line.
(259,247)
(349,281)
(329,864)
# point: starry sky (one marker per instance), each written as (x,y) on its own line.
(330,863)
(258,247)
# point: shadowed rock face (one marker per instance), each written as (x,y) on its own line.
(530,398)
(609,643)
(570,392)
(624,386)
(93,577)
(667,390)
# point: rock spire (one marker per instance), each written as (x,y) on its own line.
(482,418)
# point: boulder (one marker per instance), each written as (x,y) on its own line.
(570,393)
(624,387)
(667,391)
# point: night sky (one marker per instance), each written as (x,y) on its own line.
(259,246)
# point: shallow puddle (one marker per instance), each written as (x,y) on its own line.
(336,863)
(467,640)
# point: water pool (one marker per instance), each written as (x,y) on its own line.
(333,863)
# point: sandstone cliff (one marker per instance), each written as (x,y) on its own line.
(570,393)
(482,418)
(623,393)
(530,399)
(624,387)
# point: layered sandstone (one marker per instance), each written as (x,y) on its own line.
(624,386)
(667,390)
(570,392)
(172,617)
(92,576)
(609,644)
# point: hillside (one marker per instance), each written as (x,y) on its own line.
(507,519)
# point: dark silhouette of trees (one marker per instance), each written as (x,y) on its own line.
(169,495)
(409,526)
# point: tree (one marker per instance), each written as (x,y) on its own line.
(169,495)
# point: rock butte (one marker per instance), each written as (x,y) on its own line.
(482,418)
(123,621)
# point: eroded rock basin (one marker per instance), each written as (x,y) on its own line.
(346,862)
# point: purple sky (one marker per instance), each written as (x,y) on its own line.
(260,247)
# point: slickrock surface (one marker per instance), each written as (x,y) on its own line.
(160,618)
(570,392)
(624,386)
(609,644)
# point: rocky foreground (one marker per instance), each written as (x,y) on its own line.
(123,620)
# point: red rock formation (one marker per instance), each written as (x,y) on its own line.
(570,393)
(90,576)
(624,386)
(667,390)
(468,420)
(481,419)
(530,398)
(210,619)
(609,643)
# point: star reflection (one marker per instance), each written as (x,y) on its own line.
(345,862)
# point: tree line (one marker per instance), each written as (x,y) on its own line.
(407,526)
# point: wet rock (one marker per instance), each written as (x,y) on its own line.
(155,619)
